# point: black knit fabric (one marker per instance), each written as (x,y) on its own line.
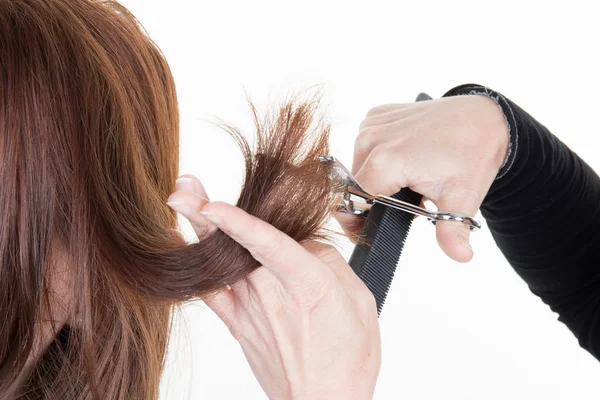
(543,210)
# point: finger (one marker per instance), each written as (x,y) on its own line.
(263,284)
(383,171)
(351,224)
(223,304)
(422,204)
(289,261)
(453,237)
(384,109)
(387,117)
(354,286)
(189,204)
(330,256)
(379,126)
(367,140)
(190,183)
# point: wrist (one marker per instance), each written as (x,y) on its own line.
(500,121)
(494,122)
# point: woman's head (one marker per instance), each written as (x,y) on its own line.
(88,158)
(88,155)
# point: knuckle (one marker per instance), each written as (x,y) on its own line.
(326,252)
(191,201)
(366,298)
(268,249)
(202,229)
(377,110)
(385,108)
(380,157)
(364,124)
(365,139)
(373,111)
(195,203)
(307,297)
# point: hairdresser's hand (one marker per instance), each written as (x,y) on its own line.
(448,150)
(306,323)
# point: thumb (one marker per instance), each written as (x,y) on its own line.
(351,224)
(452,236)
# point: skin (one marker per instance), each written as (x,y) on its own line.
(306,323)
(312,332)
(449,150)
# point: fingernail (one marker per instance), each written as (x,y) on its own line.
(212,217)
(180,207)
(184,179)
(187,183)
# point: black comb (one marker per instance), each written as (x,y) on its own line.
(381,241)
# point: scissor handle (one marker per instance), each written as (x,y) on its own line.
(432,216)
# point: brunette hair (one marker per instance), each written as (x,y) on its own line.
(88,156)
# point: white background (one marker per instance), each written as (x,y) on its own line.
(449,331)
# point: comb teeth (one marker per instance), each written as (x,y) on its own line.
(376,256)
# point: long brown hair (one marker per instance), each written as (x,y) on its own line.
(88,156)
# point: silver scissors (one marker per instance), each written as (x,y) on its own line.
(357,201)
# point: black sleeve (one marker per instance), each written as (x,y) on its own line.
(543,210)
